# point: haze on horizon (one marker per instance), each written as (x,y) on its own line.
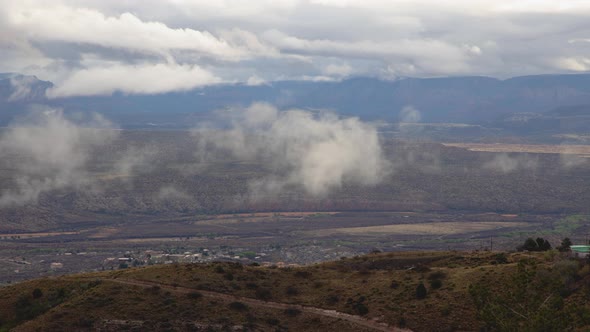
(147,47)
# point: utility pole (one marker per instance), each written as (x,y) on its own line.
(491,243)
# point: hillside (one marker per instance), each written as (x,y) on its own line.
(376,292)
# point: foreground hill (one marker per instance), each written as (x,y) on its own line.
(377,292)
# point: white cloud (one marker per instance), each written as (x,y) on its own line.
(255,80)
(579,64)
(506,163)
(21,86)
(52,22)
(432,55)
(170,193)
(294,39)
(409,115)
(338,70)
(318,153)
(49,153)
(137,79)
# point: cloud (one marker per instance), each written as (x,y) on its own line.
(171,193)
(424,52)
(574,64)
(318,153)
(81,25)
(22,87)
(49,152)
(338,70)
(505,163)
(409,114)
(135,79)
(292,39)
(135,160)
(255,80)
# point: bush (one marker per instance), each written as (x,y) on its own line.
(292,312)
(251,285)
(292,290)
(501,258)
(37,293)
(239,306)
(361,309)
(421,291)
(565,245)
(194,295)
(401,322)
(539,244)
(332,299)
(263,294)
(435,284)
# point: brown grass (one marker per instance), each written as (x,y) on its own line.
(343,286)
(435,228)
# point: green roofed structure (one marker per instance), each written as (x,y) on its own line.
(580,250)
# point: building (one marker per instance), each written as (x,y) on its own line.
(56,265)
(580,251)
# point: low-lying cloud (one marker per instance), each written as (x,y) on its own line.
(134,79)
(50,152)
(316,152)
(506,163)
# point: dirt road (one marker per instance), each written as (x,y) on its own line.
(358,320)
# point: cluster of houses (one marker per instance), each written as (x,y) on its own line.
(150,257)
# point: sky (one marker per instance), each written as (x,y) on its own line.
(98,47)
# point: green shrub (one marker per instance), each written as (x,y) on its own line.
(421,291)
(194,295)
(435,284)
(292,291)
(292,312)
(263,294)
(361,309)
(239,306)
(501,258)
(37,293)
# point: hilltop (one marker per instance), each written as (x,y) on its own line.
(464,291)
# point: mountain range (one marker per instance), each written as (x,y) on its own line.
(556,102)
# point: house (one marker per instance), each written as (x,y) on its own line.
(56,265)
(580,251)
